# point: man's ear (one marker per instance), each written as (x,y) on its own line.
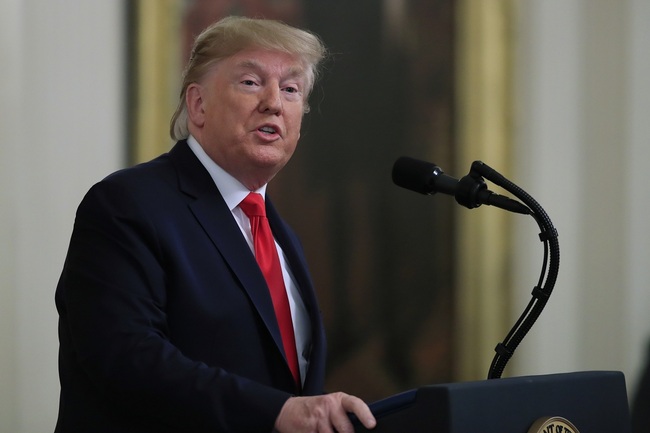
(194,103)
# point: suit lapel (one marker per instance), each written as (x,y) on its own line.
(296,258)
(294,255)
(211,211)
(208,207)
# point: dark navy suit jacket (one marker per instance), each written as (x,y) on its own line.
(166,324)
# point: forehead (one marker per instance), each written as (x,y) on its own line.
(265,61)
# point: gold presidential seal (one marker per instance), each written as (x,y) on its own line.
(552,424)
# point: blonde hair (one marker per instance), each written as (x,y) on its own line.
(233,34)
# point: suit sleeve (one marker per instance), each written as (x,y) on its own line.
(112,297)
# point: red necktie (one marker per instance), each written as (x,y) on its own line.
(268,260)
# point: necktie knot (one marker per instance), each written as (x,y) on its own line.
(253,205)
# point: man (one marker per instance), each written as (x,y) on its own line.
(167,323)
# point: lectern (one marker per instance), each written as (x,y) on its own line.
(584,402)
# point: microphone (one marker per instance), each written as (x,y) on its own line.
(470,191)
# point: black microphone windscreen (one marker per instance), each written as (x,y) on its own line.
(414,174)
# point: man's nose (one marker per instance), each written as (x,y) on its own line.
(271,100)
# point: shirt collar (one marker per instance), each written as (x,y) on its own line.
(232,191)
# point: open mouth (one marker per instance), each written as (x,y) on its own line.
(268,130)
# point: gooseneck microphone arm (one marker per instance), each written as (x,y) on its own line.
(470,191)
(548,276)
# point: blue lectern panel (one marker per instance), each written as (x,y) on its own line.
(592,401)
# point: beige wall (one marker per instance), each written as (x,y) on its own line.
(581,149)
(61,126)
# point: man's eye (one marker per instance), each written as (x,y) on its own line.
(291,89)
(248,82)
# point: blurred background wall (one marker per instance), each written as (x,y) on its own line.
(61,122)
(580,145)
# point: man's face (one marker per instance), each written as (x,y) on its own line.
(249,113)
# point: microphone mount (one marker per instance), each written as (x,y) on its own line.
(471,191)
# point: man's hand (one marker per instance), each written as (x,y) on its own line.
(323,414)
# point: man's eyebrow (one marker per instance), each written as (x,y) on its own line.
(250,64)
(293,72)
